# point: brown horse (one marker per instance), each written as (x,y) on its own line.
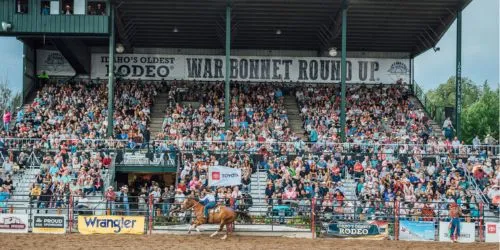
(219,215)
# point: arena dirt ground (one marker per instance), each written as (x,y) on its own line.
(166,241)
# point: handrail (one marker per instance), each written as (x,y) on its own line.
(432,110)
(112,143)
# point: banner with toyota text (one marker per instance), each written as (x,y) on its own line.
(223,176)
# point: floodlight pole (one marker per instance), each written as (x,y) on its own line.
(111,76)
(458,77)
(227,97)
(343,72)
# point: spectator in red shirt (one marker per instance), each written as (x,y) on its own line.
(110,196)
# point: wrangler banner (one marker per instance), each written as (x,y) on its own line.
(223,176)
(251,68)
(111,224)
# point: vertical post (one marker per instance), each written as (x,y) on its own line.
(227,97)
(150,211)
(396,220)
(111,74)
(481,222)
(343,72)
(70,213)
(458,77)
(411,82)
(313,221)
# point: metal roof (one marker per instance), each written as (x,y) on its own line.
(373,25)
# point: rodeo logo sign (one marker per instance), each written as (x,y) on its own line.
(53,63)
(352,229)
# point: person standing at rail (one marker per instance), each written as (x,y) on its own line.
(454,225)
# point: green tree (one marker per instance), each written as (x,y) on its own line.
(444,94)
(479,107)
(5,95)
(16,101)
(482,117)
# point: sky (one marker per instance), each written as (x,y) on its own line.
(480,51)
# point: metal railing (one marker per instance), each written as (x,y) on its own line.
(279,215)
(436,113)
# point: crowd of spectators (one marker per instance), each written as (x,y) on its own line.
(65,112)
(393,153)
(64,174)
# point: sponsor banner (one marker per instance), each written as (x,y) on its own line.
(111,224)
(53,63)
(346,229)
(13,223)
(224,176)
(49,224)
(492,232)
(467,232)
(417,230)
(251,68)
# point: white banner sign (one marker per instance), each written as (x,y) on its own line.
(492,232)
(467,232)
(224,176)
(256,69)
(13,223)
(53,63)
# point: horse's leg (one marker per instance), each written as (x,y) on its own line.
(190,227)
(225,235)
(196,226)
(224,222)
(221,227)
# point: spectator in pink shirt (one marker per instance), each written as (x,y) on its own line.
(290,194)
(6,119)
(194,183)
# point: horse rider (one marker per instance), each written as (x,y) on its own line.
(209,201)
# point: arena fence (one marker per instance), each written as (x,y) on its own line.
(393,220)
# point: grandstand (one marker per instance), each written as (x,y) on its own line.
(238,84)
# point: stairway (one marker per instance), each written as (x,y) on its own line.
(257,191)
(437,130)
(158,112)
(294,120)
(22,183)
(350,190)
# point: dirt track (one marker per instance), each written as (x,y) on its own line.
(165,241)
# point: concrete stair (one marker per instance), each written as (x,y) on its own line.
(437,130)
(294,120)
(22,183)
(350,189)
(158,112)
(257,191)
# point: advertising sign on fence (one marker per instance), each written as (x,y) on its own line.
(354,229)
(467,232)
(224,176)
(416,230)
(111,224)
(492,232)
(49,224)
(13,223)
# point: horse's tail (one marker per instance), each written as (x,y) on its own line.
(244,216)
